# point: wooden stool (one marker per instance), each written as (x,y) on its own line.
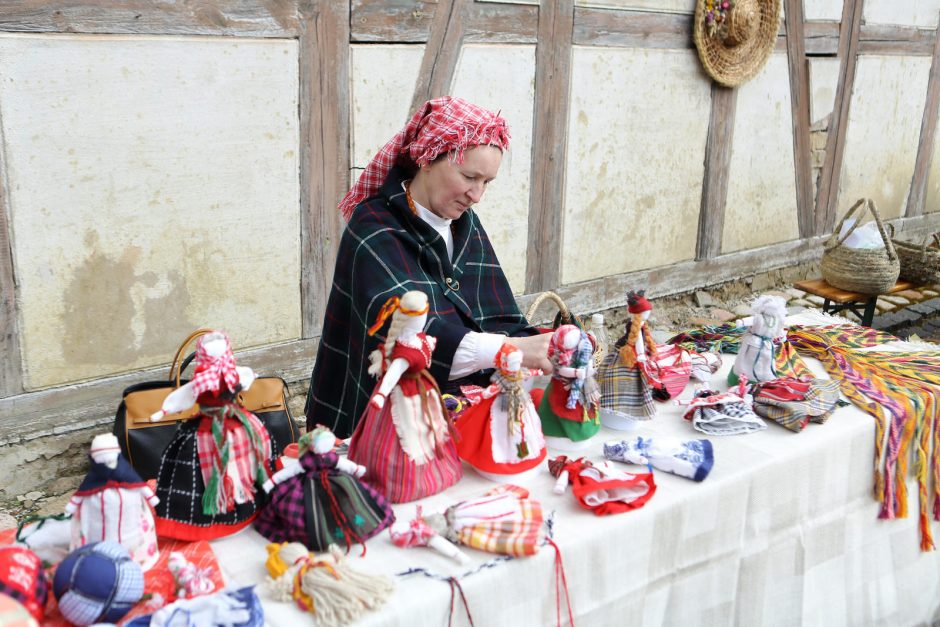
(836,300)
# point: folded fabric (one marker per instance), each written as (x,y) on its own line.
(231,608)
(728,413)
(602,489)
(793,403)
(692,459)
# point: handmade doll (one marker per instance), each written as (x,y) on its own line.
(114,503)
(505,521)
(625,393)
(569,406)
(727,413)
(602,489)
(212,469)
(755,359)
(501,434)
(325,586)
(320,500)
(692,459)
(405,437)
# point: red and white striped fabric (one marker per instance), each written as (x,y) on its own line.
(441,125)
(211,371)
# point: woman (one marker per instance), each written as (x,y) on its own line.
(411,227)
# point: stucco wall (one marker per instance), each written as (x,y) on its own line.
(153,187)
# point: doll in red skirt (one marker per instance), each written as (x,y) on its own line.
(405,438)
(501,434)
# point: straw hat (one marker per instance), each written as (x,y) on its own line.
(735,37)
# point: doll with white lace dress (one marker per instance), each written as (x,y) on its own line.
(405,438)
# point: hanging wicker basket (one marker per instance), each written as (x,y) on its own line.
(920,263)
(864,270)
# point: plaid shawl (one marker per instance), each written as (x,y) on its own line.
(386,251)
(441,125)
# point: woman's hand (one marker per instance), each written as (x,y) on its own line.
(534,351)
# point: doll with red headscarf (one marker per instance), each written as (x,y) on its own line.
(405,438)
(500,434)
(213,468)
(625,393)
(569,406)
(412,226)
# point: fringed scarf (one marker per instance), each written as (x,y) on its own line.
(231,434)
(899,390)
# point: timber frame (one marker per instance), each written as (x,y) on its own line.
(326,28)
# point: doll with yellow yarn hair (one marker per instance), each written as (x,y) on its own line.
(625,393)
(405,438)
(324,585)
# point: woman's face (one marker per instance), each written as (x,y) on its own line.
(448,189)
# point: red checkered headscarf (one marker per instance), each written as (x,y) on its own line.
(212,371)
(440,126)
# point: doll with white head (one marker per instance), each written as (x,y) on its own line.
(755,360)
(324,488)
(568,410)
(114,503)
(405,437)
(501,434)
(626,395)
(211,471)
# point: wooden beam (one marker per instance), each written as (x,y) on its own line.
(896,40)
(822,38)
(92,404)
(609,27)
(442,51)
(711,218)
(549,144)
(11,366)
(827,195)
(396,21)
(799,101)
(502,23)
(324,150)
(240,18)
(925,146)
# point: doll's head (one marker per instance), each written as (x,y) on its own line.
(508,359)
(215,363)
(563,343)
(638,305)
(413,309)
(770,314)
(320,440)
(105,450)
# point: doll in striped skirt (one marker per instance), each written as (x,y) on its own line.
(625,393)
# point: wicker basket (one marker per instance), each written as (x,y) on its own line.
(920,263)
(864,270)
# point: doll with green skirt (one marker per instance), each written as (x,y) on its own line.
(569,406)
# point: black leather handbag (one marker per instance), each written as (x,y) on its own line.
(143,440)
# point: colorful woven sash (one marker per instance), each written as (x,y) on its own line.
(899,390)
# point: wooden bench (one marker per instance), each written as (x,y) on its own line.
(836,300)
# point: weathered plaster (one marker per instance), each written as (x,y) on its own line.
(919,13)
(761,205)
(883,131)
(502,78)
(828,10)
(382,85)
(636,149)
(932,195)
(823,81)
(153,187)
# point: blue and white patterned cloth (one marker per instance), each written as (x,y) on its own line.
(692,459)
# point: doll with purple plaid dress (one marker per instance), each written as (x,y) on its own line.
(319,500)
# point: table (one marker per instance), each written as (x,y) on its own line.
(845,299)
(782,532)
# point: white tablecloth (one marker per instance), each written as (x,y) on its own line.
(784,531)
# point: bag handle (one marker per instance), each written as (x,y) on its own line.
(564,315)
(928,240)
(175,369)
(870,205)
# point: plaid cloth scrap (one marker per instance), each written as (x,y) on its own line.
(816,404)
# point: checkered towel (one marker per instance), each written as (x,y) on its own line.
(793,403)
